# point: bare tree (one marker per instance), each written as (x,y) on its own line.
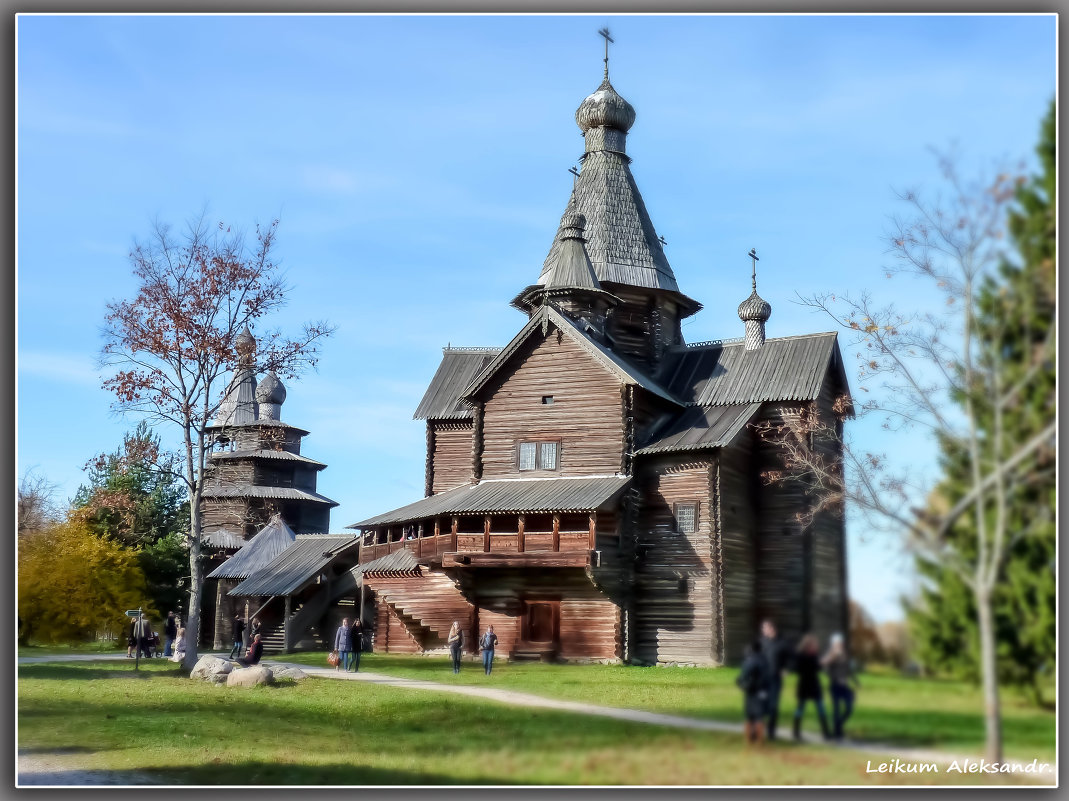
(168,349)
(936,372)
(37,507)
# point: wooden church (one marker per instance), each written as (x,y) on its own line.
(593,488)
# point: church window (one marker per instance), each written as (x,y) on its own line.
(686,517)
(547,400)
(538,455)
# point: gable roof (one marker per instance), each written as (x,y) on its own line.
(459,366)
(725,373)
(624,371)
(509,495)
(296,565)
(701,427)
(258,552)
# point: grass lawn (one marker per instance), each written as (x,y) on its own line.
(890,709)
(52,649)
(320,731)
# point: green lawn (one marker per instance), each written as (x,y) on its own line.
(102,715)
(892,709)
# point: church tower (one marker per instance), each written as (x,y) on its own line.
(620,242)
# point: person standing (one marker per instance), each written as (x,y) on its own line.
(775,654)
(487,643)
(255,627)
(455,642)
(131,641)
(237,629)
(807,666)
(358,643)
(840,674)
(343,644)
(754,682)
(170,631)
(145,637)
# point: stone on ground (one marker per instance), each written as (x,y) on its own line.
(250,676)
(288,672)
(208,666)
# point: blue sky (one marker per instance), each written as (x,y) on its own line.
(419,168)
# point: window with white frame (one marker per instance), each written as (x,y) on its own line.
(538,455)
(686,518)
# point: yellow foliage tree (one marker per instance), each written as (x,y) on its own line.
(74,585)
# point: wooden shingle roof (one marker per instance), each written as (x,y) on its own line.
(509,495)
(459,366)
(258,552)
(725,373)
(296,565)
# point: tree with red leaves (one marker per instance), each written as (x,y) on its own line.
(169,349)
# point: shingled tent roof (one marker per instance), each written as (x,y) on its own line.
(258,552)
(509,495)
(459,366)
(296,565)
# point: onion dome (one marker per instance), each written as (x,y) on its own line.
(605,109)
(270,389)
(270,395)
(755,308)
(245,342)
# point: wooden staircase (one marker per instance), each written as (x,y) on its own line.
(428,604)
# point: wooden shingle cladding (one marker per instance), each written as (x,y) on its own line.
(674,617)
(449,444)
(736,504)
(586,414)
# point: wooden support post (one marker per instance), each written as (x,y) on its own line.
(556,532)
(593,542)
(453,532)
(486,534)
(519,533)
(286,625)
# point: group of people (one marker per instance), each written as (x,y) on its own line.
(349,642)
(487,643)
(766,665)
(256,647)
(146,641)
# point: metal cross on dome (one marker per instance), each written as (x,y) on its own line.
(605,32)
(753,276)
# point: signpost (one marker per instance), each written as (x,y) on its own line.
(138,633)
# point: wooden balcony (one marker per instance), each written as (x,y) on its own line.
(556,547)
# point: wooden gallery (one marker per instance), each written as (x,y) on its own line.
(594,488)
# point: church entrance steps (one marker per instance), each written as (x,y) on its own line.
(427,603)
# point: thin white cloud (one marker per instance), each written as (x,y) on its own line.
(60,367)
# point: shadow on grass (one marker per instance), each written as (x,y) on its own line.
(266,773)
(63,672)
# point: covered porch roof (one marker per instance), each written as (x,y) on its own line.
(297,565)
(499,496)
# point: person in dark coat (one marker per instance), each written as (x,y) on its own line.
(775,652)
(252,656)
(488,642)
(358,643)
(455,641)
(807,666)
(170,631)
(343,644)
(238,628)
(754,682)
(255,627)
(837,665)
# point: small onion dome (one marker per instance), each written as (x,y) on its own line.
(605,108)
(271,390)
(245,342)
(755,308)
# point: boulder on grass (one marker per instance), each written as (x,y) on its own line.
(208,666)
(288,672)
(250,676)
(217,678)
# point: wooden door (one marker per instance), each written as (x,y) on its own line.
(541,621)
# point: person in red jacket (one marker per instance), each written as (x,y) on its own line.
(252,656)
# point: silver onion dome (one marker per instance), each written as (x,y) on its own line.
(755,308)
(271,390)
(605,109)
